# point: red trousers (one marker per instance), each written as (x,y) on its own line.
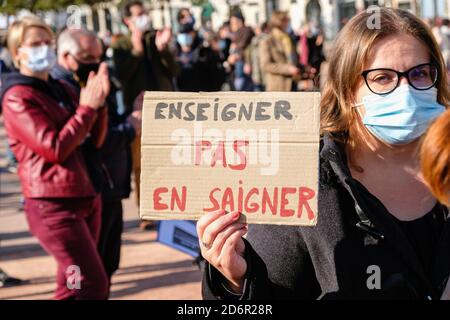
(68,229)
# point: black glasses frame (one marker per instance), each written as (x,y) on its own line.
(400,75)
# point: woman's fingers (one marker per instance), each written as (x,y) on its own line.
(218,225)
(206,219)
(230,248)
(223,235)
(240,244)
(222,245)
(215,254)
(230,262)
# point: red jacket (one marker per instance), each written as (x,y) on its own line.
(45,138)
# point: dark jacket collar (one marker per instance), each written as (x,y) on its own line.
(14,78)
(332,150)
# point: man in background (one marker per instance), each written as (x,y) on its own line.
(240,40)
(143,62)
(200,64)
(79,53)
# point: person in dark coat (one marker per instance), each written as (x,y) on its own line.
(200,65)
(240,40)
(79,53)
(143,61)
(380,232)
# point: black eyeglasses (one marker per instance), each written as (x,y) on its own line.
(384,81)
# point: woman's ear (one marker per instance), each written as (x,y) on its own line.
(18,57)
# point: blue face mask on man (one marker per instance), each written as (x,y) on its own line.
(402,116)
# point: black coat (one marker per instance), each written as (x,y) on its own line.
(333,259)
(203,72)
(116,153)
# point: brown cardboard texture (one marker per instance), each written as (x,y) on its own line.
(257,153)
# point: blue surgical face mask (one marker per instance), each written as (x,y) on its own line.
(40,58)
(401,116)
(185,39)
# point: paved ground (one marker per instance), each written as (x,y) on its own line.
(148,270)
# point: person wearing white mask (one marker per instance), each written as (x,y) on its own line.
(200,66)
(46,124)
(143,61)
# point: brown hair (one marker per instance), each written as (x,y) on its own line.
(126,7)
(17,30)
(352,48)
(277,18)
(435,158)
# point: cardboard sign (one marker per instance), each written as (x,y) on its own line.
(257,153)
(180,235)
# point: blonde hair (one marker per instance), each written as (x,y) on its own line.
(435,158)
(348,57)
(17,30)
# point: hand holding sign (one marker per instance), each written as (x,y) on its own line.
(222,246)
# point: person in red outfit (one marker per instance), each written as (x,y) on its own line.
(47,125)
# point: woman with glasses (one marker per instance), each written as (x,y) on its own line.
(381,234)
(46,124)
